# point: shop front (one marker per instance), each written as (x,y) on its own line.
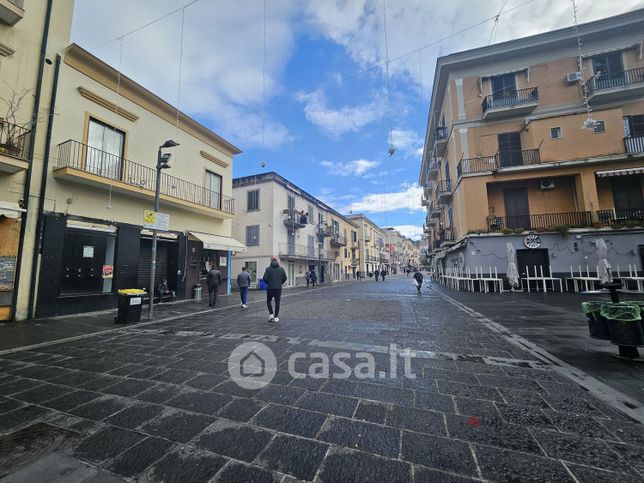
(10,219)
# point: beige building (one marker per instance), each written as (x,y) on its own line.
(93,176)
(371,244)
(511,150)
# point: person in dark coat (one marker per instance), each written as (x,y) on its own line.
(213,279)
(243,282)
(418,277)
(376,273)
(382,274)
(313,278)
(274,277)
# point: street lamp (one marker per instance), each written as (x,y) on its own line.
(162,163)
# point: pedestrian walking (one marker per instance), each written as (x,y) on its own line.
(382,274)
(313,277)
(376,273)
(213,279)
(418,280)
(274,277)
(243,282)
(307,276)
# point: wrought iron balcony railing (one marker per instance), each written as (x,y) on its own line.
(441,133)
(18,3)
(338,240)
(634,144)
(545,221)
(512,99)
(14,140)
(505,159)
(621,216)
(309,252)
(444,187)
(81,157)
(601,82)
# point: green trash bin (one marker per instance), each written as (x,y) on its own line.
(597,324)
(624,324)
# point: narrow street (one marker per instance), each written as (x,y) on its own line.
(155,401)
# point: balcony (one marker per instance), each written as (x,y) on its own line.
(14,143)
(338,240)
(634,144)
(305,252)
(80,163)
(621,217)
(506,159)
(516,103)
(615,86)
(440,141)
(324,230)
(11,11)
(426,229)
(355,262)
(424,201)
(435,211)
(294,219)
(355,244)
(444,190)
(434,168)
(543,221)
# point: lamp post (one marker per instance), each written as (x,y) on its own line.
(162,163)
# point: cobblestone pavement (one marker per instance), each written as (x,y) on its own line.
(155,402)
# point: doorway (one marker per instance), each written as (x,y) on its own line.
(509,149)
(627,193)
(504,90)
(252,271)
(528,259)
(517,208)
(291,274)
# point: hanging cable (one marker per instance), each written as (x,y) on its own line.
(589,123)
(392,149)
(179,80)
(263,164)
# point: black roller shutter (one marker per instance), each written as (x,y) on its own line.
(145,263)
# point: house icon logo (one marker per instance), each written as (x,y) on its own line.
(252,365)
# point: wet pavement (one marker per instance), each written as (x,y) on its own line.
(155,401)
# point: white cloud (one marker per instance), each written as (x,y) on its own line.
(410,231)
(408,143)
(407,199)
(357,167)
(338,121)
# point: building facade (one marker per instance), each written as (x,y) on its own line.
(522,141)
(371,244)
(278,218)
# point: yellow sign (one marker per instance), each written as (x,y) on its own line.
(155,220)
(149,217)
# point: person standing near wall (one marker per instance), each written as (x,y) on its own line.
(212,282)
(274,277)
(243,282)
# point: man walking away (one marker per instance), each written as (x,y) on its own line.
(382,274)
(212,282)
(307,276)
(376,273)
(274,276)
(243,282)
(314,278)
(418,280)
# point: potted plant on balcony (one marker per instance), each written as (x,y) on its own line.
(11,132)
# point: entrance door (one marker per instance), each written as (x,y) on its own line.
(608,70)
(509,149)
(252,271)
(291,274)
(517,210)
(627,194)
(528,259)
(504,90)
(104,150)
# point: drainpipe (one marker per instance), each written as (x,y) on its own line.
(43,188)
(30,156)
(230,274)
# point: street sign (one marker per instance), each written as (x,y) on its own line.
(156,221)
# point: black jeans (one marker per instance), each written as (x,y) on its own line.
(273,294)
(212,295)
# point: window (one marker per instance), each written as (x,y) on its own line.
(346,253)
(599,127)
(310,212)
(104,150)
(634,125)
(354,236)
(213,190)
(252,200)
(504,86)
(320,218)
(556,133)
(336,227)
(291,203)
(85,255)
(252,235)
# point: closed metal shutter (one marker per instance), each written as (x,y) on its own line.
(145,263)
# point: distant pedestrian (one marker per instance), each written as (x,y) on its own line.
(243,282)
(418,280)
(313,277)
(382,274)
(213,279)
(274,277)
(376,273)
(307,276)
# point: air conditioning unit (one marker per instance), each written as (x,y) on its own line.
(547,184)
(573,77)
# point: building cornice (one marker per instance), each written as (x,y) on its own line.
(214,159)
(109,105)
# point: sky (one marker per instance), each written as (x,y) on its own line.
(316,90)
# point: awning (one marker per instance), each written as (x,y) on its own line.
(620,172)
(84,225)
(10,210)
(217,242)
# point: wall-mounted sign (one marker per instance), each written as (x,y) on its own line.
(532,241)
(108,271)
(88,251)
(7,272)
(156,221)
(223,261)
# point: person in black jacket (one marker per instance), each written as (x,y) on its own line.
(418,277)
(274,277)
(213,279)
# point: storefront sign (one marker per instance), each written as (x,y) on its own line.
(108,271)
(7,269)
(88,251)
(223,261)
(532,241)
(156,221)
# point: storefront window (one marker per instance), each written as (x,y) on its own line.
(88,262)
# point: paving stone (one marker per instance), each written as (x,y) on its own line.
(503,465)
(241,410)
(575,404)
(523,398)
(235,472)
(7,405)
(446,375)
(476,407)
(205,381)
(175,376)
(280,394)
(427,475)
(353,466)
(634,455)
(159,393)
(106,444)
(339,386)
(525,416)
(41,372)
(126,370)
(439,453)
(581,425)
(18,385)
(403,397)
(71,400)
(184,465)
(289,420)
(20,417)
(328,403)
(94,382)
(577,449)
(295,456)
(469,390)
(139,457)
(627,432)
(128,387)
(148,372)
(100,408)
(308,383)
(492,432)
(434,401)
(200,402)
(234,440)
(371,411)
(135,415)
(42,393)
(177,425)
(363,436)
(585,474)
(506,381)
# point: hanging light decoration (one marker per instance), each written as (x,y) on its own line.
(589,123)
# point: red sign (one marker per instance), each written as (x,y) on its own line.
(108,271)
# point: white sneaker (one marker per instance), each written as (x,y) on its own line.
(276,319)
(271,318)
(244,306)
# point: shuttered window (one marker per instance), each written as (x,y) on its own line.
(252,235)
(252,200)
